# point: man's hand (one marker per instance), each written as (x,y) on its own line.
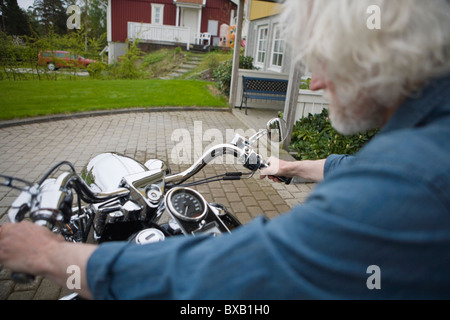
(311,170)
(25,246)
(28,248)
(275,167)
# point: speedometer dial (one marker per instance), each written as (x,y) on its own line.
(186,204)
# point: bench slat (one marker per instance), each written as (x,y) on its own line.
(261,97)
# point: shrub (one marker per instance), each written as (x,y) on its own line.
(127,67)
(304,83)
(223,72)
(97,70)
(314,138)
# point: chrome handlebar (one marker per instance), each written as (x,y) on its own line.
(240,148)
(244,154)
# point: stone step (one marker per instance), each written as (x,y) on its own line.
(192,62)
(195,58)
(188,66)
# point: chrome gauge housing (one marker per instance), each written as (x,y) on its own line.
(186,204)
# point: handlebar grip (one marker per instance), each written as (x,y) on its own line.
(281,178)
(284,179)
(22,278)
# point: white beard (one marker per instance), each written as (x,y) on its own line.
(356,117)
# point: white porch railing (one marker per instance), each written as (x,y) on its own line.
(158,33)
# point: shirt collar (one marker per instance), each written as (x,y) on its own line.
(418,109)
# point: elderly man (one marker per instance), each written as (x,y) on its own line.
(378,224)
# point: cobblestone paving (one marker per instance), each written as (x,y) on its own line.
(28,151)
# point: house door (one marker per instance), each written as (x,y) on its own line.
(190,19)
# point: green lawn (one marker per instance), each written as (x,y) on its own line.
(20,99)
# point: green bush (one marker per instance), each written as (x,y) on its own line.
(304,84)
(223,72)
(314,138)
(97,70)
(127,67)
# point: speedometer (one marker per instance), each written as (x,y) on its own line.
(186,204)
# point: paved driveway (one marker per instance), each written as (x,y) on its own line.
(179,137)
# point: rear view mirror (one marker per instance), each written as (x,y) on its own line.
(277,130)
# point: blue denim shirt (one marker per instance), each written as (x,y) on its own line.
(377,227)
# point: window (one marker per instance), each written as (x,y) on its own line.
(278,48)
(262,45)
(157,14)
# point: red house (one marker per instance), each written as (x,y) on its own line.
(166,22)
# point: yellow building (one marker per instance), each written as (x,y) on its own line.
(263,9)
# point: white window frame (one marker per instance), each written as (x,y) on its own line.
(155,8)
(278,44)
(261,45)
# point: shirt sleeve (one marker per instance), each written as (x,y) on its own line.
(334,161)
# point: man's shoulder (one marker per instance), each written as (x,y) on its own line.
(416,156)
(424,148)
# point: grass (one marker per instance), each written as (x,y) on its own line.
(164,61)
(21,99)
(161,62)
(211,60)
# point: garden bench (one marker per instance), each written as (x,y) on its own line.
(264,89)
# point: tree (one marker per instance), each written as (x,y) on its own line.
(97,17)
(93,17)
(52,15)
(14,21)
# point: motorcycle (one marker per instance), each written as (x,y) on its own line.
(116,198)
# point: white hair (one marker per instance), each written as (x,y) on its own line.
(332,38)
